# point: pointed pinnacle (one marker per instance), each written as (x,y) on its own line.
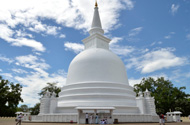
(96,4)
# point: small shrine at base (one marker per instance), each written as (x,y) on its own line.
(174,116)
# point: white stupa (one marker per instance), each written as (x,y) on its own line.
(97,83)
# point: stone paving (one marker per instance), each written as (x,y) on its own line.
(10,121)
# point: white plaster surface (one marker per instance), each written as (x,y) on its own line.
(96,81)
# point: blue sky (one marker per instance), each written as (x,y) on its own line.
(39,39)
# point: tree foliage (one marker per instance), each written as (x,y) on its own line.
(167,97)
(51,87)
(10,96)
(23,108)
(36,109)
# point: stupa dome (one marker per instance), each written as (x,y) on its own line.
(97,76)
(97,64)
(97,83)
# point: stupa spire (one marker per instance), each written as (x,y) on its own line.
(96,38)
(96,26)
(96,4)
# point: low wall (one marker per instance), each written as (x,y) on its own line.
(185,119)
(51,118)
(73,118)
(136,118)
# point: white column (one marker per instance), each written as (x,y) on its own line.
(111,114)
(142,105)
(53,105)
(78,117)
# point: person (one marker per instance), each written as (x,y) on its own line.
(102,121)
(105,120)
(91,117)
(19,119)
(86,118)
(29,118)
(96,117)
(162,121)
(110,120)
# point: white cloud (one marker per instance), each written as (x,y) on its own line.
(117,48)
(76,47)
(142,51)
(154,43)
(37,78)
(174,9)
(1,70)
(29,43)
(115,40)
(122,50)
(7,75)
(62,36)
(179,75)
(37,53)
(129,4)
(7,34)
(31,15)
(160,42)
(72,14)
(34,83)
(26,59)
(39,27)
(20,71)
(188,36)
(169,36)
(156,60)
(21,34)
(133,81)
(52,30)
(30,61)
(34,63)
(5,59)
(135,31)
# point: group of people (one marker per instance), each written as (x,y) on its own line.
(104,121)
(90,119)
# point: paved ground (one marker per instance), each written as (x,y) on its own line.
(10,121)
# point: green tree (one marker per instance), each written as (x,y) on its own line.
(51,87)
(10,96)
(167,97)
(36,109)
(23,108)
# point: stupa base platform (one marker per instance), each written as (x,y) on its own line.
(72,118)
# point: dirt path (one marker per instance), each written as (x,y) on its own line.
(10,121)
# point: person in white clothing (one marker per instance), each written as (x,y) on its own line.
(86,118)
(96,117)
(19,119)
(91,117)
